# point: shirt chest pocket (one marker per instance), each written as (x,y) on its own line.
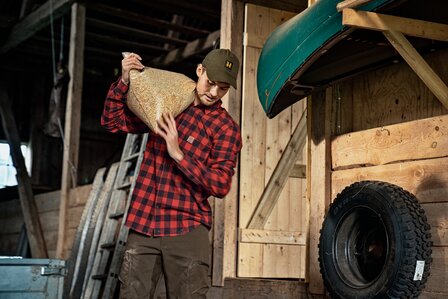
(197,145)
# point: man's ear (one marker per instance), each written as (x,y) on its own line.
(200,70)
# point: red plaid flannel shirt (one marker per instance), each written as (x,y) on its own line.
(171,198)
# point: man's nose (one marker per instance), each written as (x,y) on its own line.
(214,91)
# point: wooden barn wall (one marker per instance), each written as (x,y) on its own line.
(11,219)
(390,127)
(389,96)
(264,141)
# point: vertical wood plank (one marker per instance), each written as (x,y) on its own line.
(253,126)
(225,222)
(299,208)
(309,158)
(72,119)
(320,192)
(250,256)
(253,129)
(342,108)
(278,133)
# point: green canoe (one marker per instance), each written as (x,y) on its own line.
(314,49)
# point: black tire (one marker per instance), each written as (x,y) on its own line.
(373,242)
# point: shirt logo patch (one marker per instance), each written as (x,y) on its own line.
(190,139)
(229,64)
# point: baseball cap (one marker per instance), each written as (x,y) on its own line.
(222,66)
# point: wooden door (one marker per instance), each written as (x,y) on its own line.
(278,249)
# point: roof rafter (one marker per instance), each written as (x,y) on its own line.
(112,27)
(142,19)
(289,5)
(192,48)
(35,21)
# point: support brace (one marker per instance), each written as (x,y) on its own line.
(394,29)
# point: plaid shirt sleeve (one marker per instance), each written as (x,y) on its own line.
(215,175)
(116,115)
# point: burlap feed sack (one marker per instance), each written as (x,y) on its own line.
(154,91)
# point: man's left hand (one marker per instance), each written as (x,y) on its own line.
(168,130)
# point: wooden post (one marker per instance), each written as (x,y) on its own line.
(319,178)
(29,209)
(225,222)
(72,118)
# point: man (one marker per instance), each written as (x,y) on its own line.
(188,159)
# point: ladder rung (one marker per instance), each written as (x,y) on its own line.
(131,157)
(109,246)
(125,185)
(116,215)
(99,276)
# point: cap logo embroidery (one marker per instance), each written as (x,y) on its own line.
(229,64)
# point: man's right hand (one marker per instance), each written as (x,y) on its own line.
(129,62)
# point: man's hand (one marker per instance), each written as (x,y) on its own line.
(130,62)
(167,129)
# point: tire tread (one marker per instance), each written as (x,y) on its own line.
(417,241)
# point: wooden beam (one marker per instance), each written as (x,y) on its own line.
(288,5)
(419,65)
(72,119)
(225,234)
(242,288)
(272,237)
(427,179)
(407,141)
(319,178)
(298,171)
(29,209)
(192,48)
(178,20)
(380,22)
(124,44)
(279,177)
(25,7)
(132,32)
(351,4)
(195,9)
(144,19)
(34,22)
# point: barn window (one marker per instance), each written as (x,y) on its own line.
(7,169)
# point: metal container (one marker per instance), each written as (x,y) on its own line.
(31,278)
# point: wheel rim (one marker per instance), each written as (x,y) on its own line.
(361,247)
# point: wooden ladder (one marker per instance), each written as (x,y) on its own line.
(102,276)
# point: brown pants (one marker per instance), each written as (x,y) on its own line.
(184,261)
